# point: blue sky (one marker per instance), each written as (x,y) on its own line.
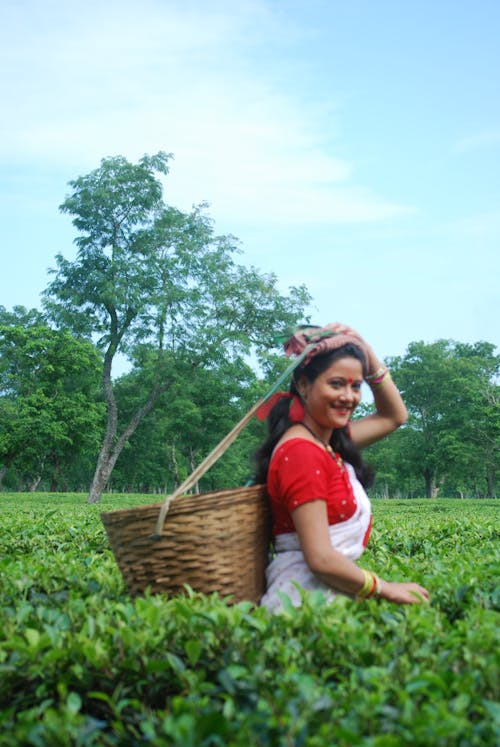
(351,146)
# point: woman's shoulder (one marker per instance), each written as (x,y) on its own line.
(301,465)
(297,446)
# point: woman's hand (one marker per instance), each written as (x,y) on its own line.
(373,363)
(403,593)
(341,328)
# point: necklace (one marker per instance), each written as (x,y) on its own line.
(333,454)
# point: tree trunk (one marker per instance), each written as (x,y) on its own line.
(110,451)
(105,465)
(193,465)
(102,473)
(34,483)
(3,471)
(56,473)
(430,485)
(490,480)
(175,466)
(111,447)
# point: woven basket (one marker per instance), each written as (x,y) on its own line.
(213,542)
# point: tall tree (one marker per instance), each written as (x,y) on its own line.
(150,277)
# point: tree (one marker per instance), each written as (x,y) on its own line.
(452,397)
(149,278)
(191,417)
(48,397)
(476,411)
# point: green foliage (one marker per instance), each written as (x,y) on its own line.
(451,444)
(49,404)
(83,664)
(201,406)
(52,416)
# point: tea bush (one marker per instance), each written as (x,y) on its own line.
(81,663)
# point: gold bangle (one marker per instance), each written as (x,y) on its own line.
(367,585)
(372,586)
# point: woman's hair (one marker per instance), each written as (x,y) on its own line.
(279,421)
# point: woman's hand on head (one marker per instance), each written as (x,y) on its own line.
(403,593)
(345,329)
(341,328)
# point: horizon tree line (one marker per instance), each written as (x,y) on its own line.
(159,287)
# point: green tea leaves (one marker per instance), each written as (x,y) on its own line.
(81,663)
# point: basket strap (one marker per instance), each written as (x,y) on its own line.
(221,447)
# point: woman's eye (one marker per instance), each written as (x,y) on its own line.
(339,383)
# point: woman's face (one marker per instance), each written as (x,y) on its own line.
(332,397)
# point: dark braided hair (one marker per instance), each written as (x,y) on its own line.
(340,441)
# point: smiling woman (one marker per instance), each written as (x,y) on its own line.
(315,474)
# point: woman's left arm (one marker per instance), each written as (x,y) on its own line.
(391,411)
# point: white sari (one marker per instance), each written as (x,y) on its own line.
(288,569)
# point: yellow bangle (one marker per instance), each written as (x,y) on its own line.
(367,585)
(371,586)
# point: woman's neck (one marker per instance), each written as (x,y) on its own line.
(320,434)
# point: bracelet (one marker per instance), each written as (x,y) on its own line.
(382,380)
(374,587)
(371,585)
(376,375)
(366,584)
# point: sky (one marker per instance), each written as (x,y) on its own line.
(352,146)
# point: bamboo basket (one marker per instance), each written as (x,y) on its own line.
(213,542)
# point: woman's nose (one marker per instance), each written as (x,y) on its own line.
(347,393)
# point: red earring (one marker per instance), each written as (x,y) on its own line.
(296,412)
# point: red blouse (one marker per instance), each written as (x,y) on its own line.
(302,471)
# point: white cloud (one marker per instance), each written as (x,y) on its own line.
(204,81)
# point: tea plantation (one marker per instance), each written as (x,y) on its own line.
(81,663)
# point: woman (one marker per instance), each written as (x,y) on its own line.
(315,474)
